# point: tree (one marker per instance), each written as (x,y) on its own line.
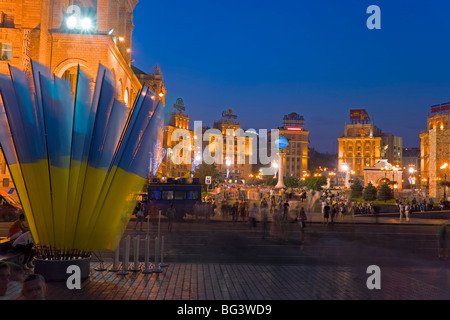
(370,192)
(357,189)
(385,193)
(204,170)
(291,182)
(315,183)
(270,181)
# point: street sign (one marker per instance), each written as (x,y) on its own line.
(208,179)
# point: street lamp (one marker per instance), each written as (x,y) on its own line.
(346,169)
(385,169)
(228,163)
(444,168)
(394,170)
(412,178)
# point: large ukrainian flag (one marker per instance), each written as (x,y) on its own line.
(77,161)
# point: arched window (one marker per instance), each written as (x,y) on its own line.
(126,97)
(71,75)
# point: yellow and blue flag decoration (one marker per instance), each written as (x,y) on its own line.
(77,160)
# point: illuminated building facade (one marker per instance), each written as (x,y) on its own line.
(236,164)
(65,34)
(178,120)
(384,172)
(435,151)
(153,80)
(363,144)
(295,159)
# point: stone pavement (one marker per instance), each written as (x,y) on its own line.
(188,281)
(331,264)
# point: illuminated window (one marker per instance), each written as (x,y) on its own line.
(119,88)
(126,97)
(167,195)
(6,51)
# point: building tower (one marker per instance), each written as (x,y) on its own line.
(363,144)
(238,148)
(295,162)
(435,151)
(178,120)
(66,34)
(153,80)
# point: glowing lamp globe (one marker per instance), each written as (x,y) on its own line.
(281,143)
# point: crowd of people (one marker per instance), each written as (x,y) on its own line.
(16,284)
(270,208)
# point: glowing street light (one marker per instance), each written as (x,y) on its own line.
(346,169)
(86,24)
(71,22)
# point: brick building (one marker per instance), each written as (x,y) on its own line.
(363,144)
(65,34)
(435,151)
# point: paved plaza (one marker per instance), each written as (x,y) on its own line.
(230,261)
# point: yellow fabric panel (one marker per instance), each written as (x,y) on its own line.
(75,192)
(116,206)
(24,200)
(38,188)
(59,189)
(91,189)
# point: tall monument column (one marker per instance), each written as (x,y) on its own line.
(280,184)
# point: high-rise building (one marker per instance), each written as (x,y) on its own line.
(363,144)
(171,168)
(237,149)
(295,159)
(66,34)
(435,151)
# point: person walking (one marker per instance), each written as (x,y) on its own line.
(302,223)
(284,226)
(401,208)
(407,211)
(264,219)
(253,215)
(326,213)
(139,215)
(170,217)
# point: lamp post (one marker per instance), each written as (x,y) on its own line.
(346,169)
(385,180)
(412,178)
(444,168)
(394,171)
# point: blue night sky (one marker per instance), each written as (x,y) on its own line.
(265,59)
